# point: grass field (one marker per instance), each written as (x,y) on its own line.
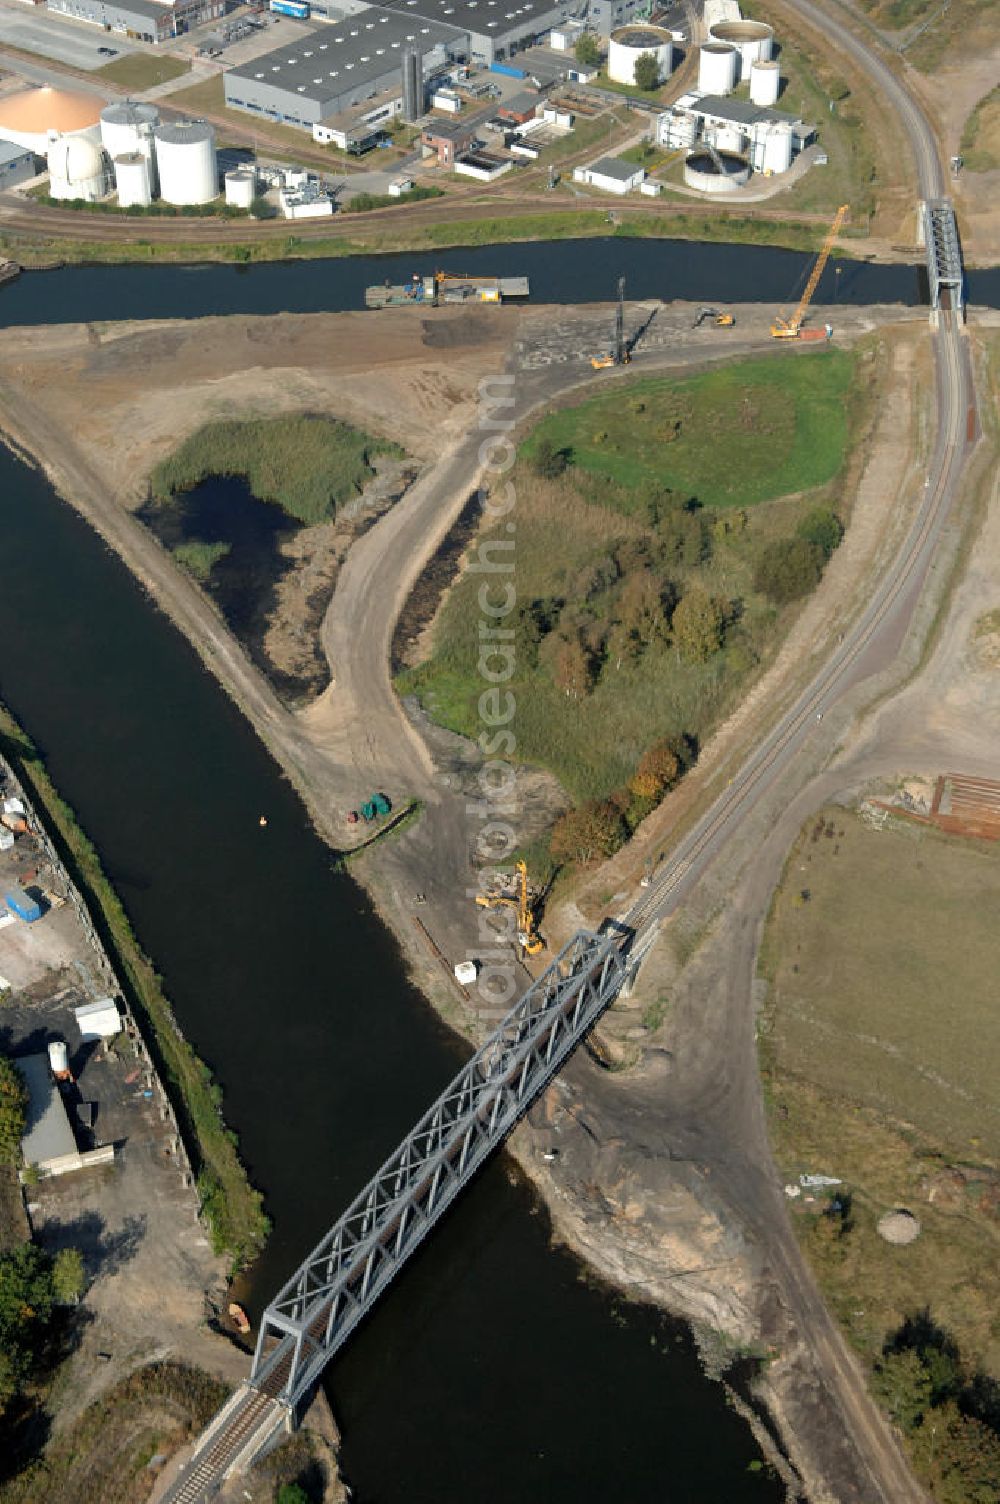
(306,465)
(881,1051)
(981,135)
(200,558)
(139,70)
(595,561)
(733,437)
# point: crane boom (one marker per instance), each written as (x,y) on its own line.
(789,328)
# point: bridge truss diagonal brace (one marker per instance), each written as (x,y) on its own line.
(317,1309)
(944,252)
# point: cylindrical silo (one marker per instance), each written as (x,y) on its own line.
(765,80)
(753,41)
(58,1057)
(132,180)
(77,168)
(777,155)
(241,187)
(629,43)
(717,68)
(122,126)
(186,162)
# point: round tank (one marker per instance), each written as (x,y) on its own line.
(126,127)
(717,65)
(132,180)
(241,187)
(76,168)
(58,1057)
(629,43)
(777,155)
(765,80)
(753,40)
(701,171)
(186,162)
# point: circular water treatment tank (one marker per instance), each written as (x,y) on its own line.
(753,40)
(186,162)
(702,171)
(765,80)
(630,43)
(717,64)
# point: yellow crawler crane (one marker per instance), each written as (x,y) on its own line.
(791,328)
(528,937)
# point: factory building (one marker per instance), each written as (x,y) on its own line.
(605,16)
(769,138)
(495,28)
(335,67)
(141,20)
(17,165)
(611,175)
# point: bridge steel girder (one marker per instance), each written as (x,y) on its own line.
(944,252)
(333,1289)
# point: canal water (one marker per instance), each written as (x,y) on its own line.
(491,1371)
(573,271)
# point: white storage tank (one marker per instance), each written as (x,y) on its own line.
(186,162)
(777,153)
(630,43)
(765,81)
(76,168)
(717,62)
(132,180)
(241,187)
(753,40)
(127,126)
(58,1057)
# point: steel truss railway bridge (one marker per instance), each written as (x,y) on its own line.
(313,1315)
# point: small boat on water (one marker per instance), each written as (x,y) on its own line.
(239,1318)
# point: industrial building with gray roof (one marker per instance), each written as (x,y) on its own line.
(338,66)
(496,28)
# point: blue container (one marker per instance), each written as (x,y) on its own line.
(21,904)
(503,68)
(295,8)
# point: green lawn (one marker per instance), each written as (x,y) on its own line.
(140,70)
(306,465)
(733,437)
(200,558)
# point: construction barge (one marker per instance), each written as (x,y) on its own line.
(445,287)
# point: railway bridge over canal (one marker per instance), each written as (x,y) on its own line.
(313,1315)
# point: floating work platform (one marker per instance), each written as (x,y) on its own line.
(446,287)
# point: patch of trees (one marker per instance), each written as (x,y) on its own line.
(586,51)
(951,1416)
(595,830)
(33,1285)
(790,568)
(646,71)
(13,1106)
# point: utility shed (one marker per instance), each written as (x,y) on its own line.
(48,1140)
(99,1020)
(17,164)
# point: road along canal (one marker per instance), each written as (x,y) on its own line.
(583,271)
(493,1369)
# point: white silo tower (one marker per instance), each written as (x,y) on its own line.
(765,80)
(777,153)
(186,162)
(77,168)
(132,179)
(717,68)
(753,40)
(241,187)
(128,127)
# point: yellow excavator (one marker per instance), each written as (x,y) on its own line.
(528,937)
(791,328)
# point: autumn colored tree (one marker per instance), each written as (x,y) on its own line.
(697,624)
(572,666)
(661,763)
(591,831)
(787,569)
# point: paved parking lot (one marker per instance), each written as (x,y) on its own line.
(64,41)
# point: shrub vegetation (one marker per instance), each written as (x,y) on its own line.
(306,465)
